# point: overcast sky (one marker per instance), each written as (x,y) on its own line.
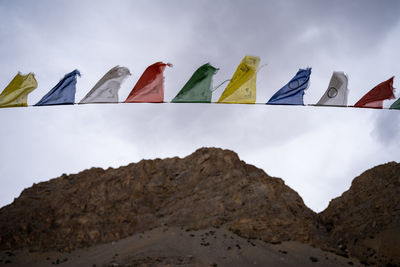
(316,150)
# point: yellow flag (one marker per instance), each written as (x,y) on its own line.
(242,87)
(16,93)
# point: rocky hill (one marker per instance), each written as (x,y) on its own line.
(210,188)
(365,220)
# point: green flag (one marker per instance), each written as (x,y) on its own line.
(198,88)
(396,104)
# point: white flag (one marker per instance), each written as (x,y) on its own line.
(336,94)
(106,90)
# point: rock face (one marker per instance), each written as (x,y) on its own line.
(365,220)
(210,188)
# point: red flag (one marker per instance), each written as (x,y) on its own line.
(150,86)
(375,97)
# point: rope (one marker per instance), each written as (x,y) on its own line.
(215,88)
(257,103)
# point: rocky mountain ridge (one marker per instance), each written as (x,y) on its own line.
(365,220)
(209,188)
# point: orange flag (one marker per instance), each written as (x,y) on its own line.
(150,86)
(375,97)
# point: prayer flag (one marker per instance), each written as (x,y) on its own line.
(63,93)
(106,89)
(16,92)
(375,97)
(293,92)
(396,104)
(336,94)
(242,88)
(150,86)
(198,88)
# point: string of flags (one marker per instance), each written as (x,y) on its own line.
(241,89)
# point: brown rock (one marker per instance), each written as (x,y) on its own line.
(365,220)
(211,187)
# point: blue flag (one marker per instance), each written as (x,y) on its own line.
(293,92)
(63,93)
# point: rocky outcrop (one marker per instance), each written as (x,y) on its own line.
(365,220)
(210,188)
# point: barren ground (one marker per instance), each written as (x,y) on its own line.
(182,247)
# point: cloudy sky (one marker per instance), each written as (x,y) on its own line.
(317,151)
